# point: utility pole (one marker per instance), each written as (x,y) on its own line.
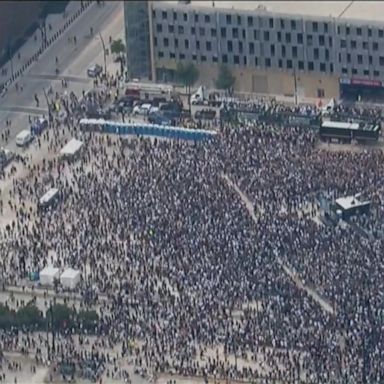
(105,54)
(295,83)
(10,56)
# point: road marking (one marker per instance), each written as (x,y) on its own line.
(75,79)
(28,110)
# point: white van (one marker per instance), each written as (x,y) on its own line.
(23,138)
(142,109)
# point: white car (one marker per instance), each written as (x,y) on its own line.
(142,110)
(95,70)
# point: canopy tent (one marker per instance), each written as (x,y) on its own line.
(70,278)
(48,275)
(71,148)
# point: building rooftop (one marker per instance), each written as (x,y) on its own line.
(353,10)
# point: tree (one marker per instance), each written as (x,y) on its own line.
(225,80)
(7,317)
(62,316)
(187,74)
(88,319)
(29,316)
(117,47)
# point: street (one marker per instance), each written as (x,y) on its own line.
(73,61)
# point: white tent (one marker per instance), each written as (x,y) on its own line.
(71,148)
(48,275)
(70,278)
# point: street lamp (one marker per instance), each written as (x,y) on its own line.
(105,54)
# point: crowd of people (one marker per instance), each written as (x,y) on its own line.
(192,277)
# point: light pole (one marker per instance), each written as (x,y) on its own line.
(10,57)
(105,54)
(295,83)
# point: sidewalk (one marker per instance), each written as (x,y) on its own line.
(56,24)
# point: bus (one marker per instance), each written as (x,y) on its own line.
(348,131)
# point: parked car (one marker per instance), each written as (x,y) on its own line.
(94,70)
(24,138)
(142,109)
(39,125)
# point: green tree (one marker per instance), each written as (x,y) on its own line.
(62,316)
(225,80)
(7,317)
(117,47)
(88,319)
(187,74)
(29,316)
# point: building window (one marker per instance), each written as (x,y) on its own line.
(370,60)
(238,20)
(339,57)
(223,32)
(180,29)
(243,33)
(245,61)
(343,43)
(325,28)
(322,67)
(171,28)
(321,40)
(354,71)
(376,73)
(193,30)
(159,28)
(283,51)
(164,15)
(320,93)
(330,41)
(301,65)
(174,16)
(309,40)
(172,55)
(375,46)
(348,57)
(353,44)
(215,59)
(344,71)
(186,43)
(279,36)
(271,23)
(267,62)
(360,59)
(255,34)
(181,56)
(208,46)
(381,60)
(224,59)
(213,32)
(196,17)
(176,43)
(250,21)
(327,54)
(266,35)
(366,72)
(293,25)
(299,38)
(203,58)
(348,30)
(236,59)
(310,66)
(155,41)
(198,45)
(315,26)
(280,63)
(359,31)
(161,54)
(235,33)
(230,46)
(282,24)
(185,17)
(369,32)
(381,33)
(294,52)
(289,64)
(202,31)
(272,50)
(194,57)
(287,37)
(316,53)
(240,47)
(228,19)
(251,48)
(207,18)
(331,67)
(256,61)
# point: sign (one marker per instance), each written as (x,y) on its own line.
(356,81)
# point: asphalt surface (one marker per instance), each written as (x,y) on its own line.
(73,61)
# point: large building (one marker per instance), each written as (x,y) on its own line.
(316,49)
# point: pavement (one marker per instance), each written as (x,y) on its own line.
(73,61)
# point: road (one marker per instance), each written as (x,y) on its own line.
(73,61)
